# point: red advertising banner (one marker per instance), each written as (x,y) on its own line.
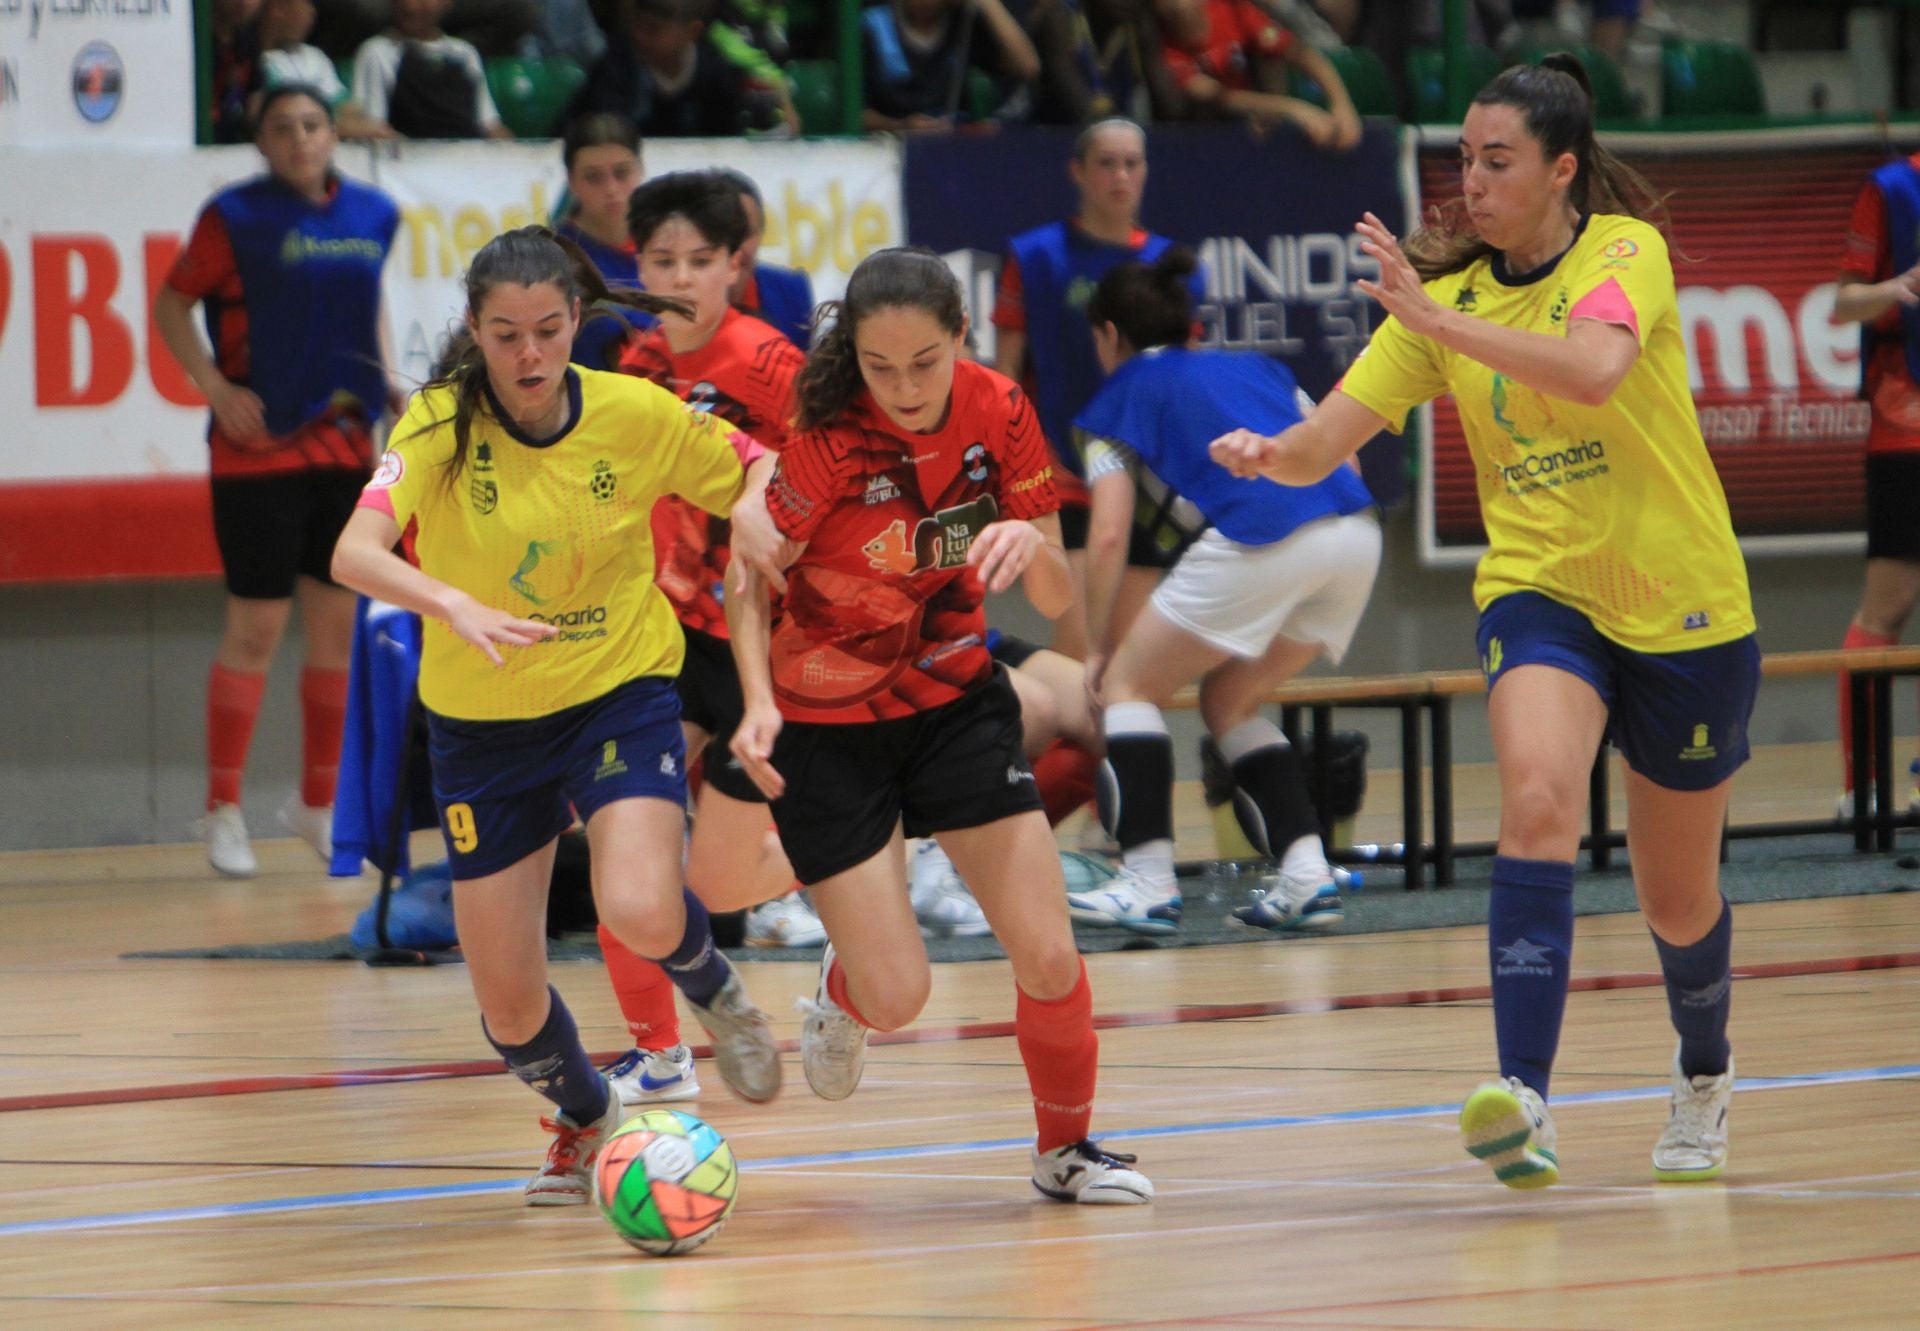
(1758,225)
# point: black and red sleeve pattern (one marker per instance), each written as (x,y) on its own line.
(1026,470)
(810,478)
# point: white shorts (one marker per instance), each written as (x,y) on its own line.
(1310,587)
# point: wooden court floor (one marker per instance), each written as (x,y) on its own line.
(281,1144)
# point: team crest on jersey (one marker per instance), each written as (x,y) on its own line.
(975,461)
(1622,248)
(603,483)
(1558,312)
(485,496)
(387,475)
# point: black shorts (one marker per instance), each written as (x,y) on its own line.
(1010,651)
(1893,506)
(274,529)
(710,698)
(960,765)
(1142,550)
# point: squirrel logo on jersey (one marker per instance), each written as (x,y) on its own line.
(938,542)
(891,551)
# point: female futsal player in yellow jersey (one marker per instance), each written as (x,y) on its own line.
(522,488)
(1613,599)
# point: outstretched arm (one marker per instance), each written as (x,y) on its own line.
(1304,453)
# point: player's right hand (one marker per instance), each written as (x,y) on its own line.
(484,627)
(757,544)
(242,417)
(752,744)
(1242,452)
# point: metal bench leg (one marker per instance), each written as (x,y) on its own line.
(1321,777)
(1861,695)
(1440,731)
(1413,839)
(1883,782)
(1599,812)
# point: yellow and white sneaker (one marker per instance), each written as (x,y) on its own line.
(1506,1124)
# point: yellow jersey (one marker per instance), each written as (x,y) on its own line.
(1614,510)
(553,530)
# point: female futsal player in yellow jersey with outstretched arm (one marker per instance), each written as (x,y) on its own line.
(523,489)
(1613,599)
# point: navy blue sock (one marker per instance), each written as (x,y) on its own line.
(1529,948)
(696,967)
(1699,994)
(555,1063)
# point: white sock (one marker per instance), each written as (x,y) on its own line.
(1306,862)
(1152,863)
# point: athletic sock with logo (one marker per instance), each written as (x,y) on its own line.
(697,968)
(1136,790)
(556,1065)
(1529,949)
(644,993)
(1700,994)
(1062,1055)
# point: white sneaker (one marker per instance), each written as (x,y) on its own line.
(786,921)
(654,1076)
(744,1051)
(1127,901)
(228,848)
(1506,1124)
(1290,905)
(313,824)
(1083,1173)
(566,1178)
(941,901)
(833,1046)
(1694,1145)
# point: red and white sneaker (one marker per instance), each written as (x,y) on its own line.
(566,1179)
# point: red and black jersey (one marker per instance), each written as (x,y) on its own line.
(1890,385)
(882,617)
(744,375)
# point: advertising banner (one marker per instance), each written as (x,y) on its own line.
(96,73)
(1758,225)
(1270,217)
(103,463)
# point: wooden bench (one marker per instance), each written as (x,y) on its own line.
(1871,673)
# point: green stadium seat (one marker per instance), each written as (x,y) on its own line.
(1362,72)
(816,95)
(1427,81)
(1611,100)
(533,94)
(1709,79)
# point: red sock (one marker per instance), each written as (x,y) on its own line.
(323,717)
(1062,1055)
(233,701)
(1064,773)
(644,992)
(837,991)
(1856,637)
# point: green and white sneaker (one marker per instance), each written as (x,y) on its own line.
(1506,1124)
(1694,1146)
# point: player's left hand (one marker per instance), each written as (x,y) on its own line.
(1002,551)
(757,544)
(752,744)
(1398,287)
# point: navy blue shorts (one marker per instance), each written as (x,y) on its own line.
(1678,718)
(507,788)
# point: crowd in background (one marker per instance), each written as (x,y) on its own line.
(675,68)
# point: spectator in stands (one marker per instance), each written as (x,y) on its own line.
(1230,57)
(495,27)
(286,58)
(918,54)
(672,78)
(236,68)
(782,297)
(567,30)
(422,83)
(1612,20)
(1880,290)
(602,157)
(1116,67)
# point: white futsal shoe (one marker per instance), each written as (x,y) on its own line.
(312,823)
(833,1046)
(941,902)
(228,848)
(1127,901)
(787,921)
(1694,1146)
(1506,1124)
(1081,1172)
(654,1076)
(566,1179)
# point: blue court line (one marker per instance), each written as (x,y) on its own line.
(387,1196)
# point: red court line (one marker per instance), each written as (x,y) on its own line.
(1273,1317)
(984,1030)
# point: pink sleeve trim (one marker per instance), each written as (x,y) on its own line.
(1608,304)
(745,447)
(377,500)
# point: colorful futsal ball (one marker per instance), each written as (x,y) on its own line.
(665,1182)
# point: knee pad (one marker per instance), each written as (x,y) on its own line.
(1252,824)
(1106,798)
